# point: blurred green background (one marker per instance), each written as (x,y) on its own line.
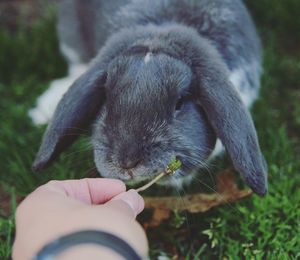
(255,228)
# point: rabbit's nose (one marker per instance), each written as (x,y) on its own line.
(129,156)
(129,164)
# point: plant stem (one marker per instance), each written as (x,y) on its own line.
(157,178)
(171,168)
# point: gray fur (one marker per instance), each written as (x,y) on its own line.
(191,47)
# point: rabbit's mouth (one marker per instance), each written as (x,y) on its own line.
(146,169)
(171,180)
(136,176)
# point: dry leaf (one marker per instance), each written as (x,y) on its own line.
(158,216)
(226,182)
(201,202)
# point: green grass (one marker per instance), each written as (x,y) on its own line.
(7,226)
(256,228)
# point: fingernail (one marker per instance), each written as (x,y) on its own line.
(133,199)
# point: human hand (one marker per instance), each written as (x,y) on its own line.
(63,207)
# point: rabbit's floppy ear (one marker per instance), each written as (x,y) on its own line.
(228,115)
(75,112)
(80,105)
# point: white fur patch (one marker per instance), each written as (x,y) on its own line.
(70,54)
(238,78)
(219,148)
(148,57)
(47,102)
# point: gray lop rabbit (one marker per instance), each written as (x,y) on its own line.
(165,79)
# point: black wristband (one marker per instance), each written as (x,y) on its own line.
(51,250)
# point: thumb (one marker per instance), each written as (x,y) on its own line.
(130,202)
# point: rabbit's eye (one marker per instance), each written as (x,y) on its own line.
(179,104)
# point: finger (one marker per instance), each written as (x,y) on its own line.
(130,202)
(90,191)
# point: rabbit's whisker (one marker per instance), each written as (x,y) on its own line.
(179,187)
(88,171)
(218,194)
(76,134)
(74,128)
(80,162)
(78,151)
